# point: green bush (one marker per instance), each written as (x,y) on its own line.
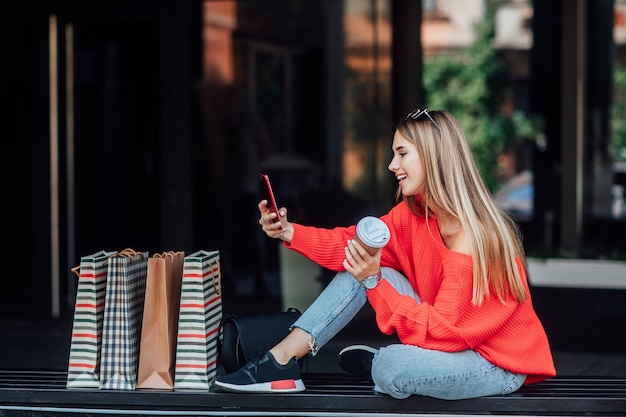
(472,84)
(618,121)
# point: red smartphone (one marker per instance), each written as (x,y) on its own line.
(273,207)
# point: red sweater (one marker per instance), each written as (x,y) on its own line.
(508,335)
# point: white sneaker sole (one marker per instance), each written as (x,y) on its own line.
(265,387)
(358,347)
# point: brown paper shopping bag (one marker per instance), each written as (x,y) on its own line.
(157,350)
(86,341)
(198,321)
(123,313)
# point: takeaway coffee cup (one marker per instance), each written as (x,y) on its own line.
(372,233)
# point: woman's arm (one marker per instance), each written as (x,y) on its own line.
(446,319)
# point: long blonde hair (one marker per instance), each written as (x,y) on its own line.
(453,186)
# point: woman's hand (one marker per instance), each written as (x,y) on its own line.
(359,263)
(280,229)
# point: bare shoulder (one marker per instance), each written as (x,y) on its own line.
(459,242)
(454,237)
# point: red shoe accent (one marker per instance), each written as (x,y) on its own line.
(283,384)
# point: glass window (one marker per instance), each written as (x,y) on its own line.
(367,99)
(476,66)
(618,124)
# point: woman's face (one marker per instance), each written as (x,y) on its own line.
(406,166)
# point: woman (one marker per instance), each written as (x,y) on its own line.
(451,283)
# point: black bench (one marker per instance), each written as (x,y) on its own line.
(36,393)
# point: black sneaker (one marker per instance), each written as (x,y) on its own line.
(263,374)
(357,360)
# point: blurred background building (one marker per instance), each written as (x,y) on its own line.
(144,124)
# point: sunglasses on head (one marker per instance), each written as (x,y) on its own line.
(416,114)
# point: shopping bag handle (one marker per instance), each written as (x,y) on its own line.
(164,255)
(76,270)
(218,287)
(168,254)
(128,253)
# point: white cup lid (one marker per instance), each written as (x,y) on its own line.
(373,232)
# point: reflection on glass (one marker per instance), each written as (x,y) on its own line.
(367,99)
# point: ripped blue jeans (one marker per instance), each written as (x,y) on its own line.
(402,370)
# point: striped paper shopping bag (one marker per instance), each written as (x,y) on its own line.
(198,321)
(86,341)
(123,313)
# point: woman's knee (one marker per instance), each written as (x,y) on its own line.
(388,373)
(402,370)
(400,282)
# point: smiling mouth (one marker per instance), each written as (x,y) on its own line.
(400,178)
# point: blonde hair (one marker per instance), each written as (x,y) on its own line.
(453,186)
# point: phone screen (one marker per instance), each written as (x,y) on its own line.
(273,207)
